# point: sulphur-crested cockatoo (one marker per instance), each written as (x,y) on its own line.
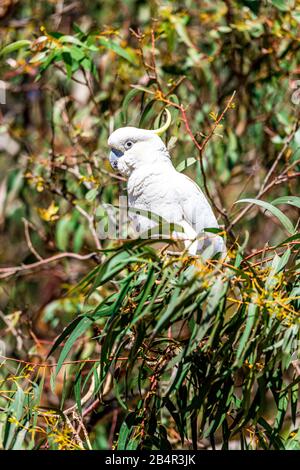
(155,186)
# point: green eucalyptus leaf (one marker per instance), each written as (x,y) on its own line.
(274,210)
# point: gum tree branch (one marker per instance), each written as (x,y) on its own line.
(265,187)
(9,271)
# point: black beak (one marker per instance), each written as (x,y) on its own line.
(114,155)
(117,153)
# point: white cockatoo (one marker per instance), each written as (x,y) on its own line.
(154,185)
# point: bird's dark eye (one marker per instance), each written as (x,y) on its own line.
(128,144)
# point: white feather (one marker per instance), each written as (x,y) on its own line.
(155,185)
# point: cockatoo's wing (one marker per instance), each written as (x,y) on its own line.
(196,211)
(195,207)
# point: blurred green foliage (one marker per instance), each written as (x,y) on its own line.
(146,349)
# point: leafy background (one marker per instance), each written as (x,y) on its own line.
(113,343)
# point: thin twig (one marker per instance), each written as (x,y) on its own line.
(77,418)
(5,272)
(13,330)
(217,122)
(264,186)
(66,363)
(91,407)
(154,68)
(90,220)
(113,428)
(75,434)
(28,240)
(270,248)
